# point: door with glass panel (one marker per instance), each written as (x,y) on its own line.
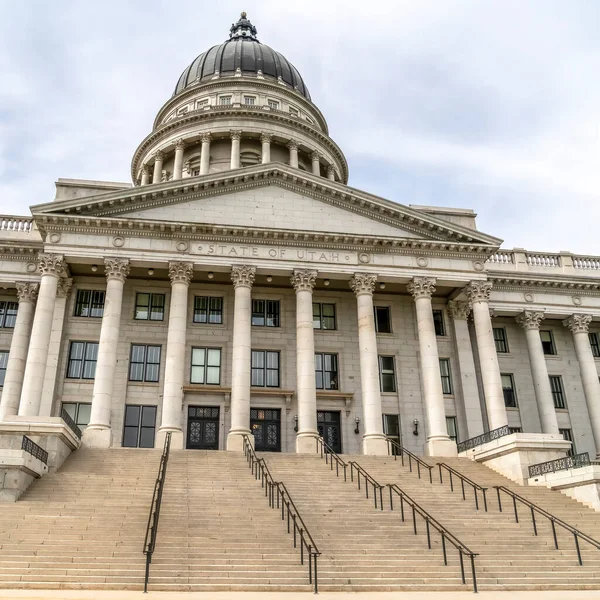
(328,425)
(391,429)
(203,428)
(265,424)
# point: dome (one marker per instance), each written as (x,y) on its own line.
(242,54)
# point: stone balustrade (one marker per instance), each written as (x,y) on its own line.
(519,260)
(12,223)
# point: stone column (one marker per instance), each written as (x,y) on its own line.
(316,163)
(304,282)
(438,442)
(98,434)
(158,166)
(459,313)
(236,136)
(293,146)
(52,266)
(146,174)
(178,163)
(374,442)
(265,139)
(15,369)
(58,320)
(530,321)
(579,325)
(243,278)
(331,173)
(181,274)
(478,293)
(205,155)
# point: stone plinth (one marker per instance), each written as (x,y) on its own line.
(17,468)
(512,455)
(580,483)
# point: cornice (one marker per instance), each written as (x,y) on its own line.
(20,252)
(518,282)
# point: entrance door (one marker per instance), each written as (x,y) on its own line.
(265,424)
(203,428)
(391,428)
(328,424)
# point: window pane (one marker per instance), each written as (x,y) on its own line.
(198,356)
(388,383)
(153,354)
(142,305)
(213,375)
(130,437)
(132,416)
(319,379)
(272,360)
(444,367)
(91,351)
(136,372)
(82,303)
(318,362)
(316,315)
(148,416)
(216,310)
(152,371)
(83,414)
(200,309)
(77,350)
(382,319)
(258,377)
(89,369)
(71,408)
(438,322)
(97,308)
(158,307)
(272,378)
(258,313)
(138,353)
(147,437)
(258,359)
(11,314)
(197,374)
(273,313)
(214,357)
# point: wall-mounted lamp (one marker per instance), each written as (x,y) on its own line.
(151,271)
(269,278)
(416,429)
(296,423)
(357,421)
(326,282)
(94,268)
(382,286)
(211,275)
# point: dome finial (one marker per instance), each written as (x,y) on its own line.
(243,15)
(243,29)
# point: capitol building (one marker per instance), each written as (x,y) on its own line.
(238,285)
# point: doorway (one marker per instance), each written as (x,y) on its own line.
(203,428)
(328,424)
(265,424)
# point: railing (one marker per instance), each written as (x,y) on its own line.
(36,451)
(10,223)
(395,450)
(154,516)
(502,257)
(586,262)
(280,498)
(377,487)
(331,457)
(432,522)
(554,521)
(560,464)
(66,417)
(542,260)
(484,438)
(476,487)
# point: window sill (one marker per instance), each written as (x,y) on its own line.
(512,408)
(74,380)
(551,356)
(562,410)
(389,394)
(144,383)
(385,335)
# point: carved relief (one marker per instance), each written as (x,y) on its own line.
(478,291)
(304,280)
(27,292)
(530,319)
(363,283)
(64,287)
(421,287)
(459,311)
(116,268)
(578,323)
(51,264)
(181,272)
(243,275)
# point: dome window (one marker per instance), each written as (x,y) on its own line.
(225,100)
(273,104)
(310,120)
(294,112)
(250,100)
(202,103)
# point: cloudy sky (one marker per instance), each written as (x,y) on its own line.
(486,104)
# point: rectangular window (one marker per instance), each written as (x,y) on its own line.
(294,111)
(324,316)
(249,100)
(265,313)
(203,102)
(515,429)
(79,412)
(451,428)
(595,344)
(89,303)
(3,365)
(568,435)
(208,310)
(225,100)
(438,322)
(547,342)
(8,314)
(500,340)
(326,371)
(144,364)
(140,424)
(265,368)
(508,388)
(446,375)
(558,391)
(82,360)
(206,366)
(273,104)
(149,307)
(387,374)
(383,321)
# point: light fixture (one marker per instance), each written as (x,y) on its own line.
(211,275)
(382,286)
(326,282)
(357,421)
(269,278)
(416,429)
(94,268)
(151,271)
(296,423)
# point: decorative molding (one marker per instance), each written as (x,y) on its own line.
(27,292)
(578,323)
(459,311)
(304,280)
(65,284)
(527,283)
(51,264)
(243,275)
(235,134)
(314,155)
(205,138)
(363,283)
(421,287)
(266,138)
(159,155)
(478,291)
(181,272)
(147,169)
(530,319)
(116,268)
(292,145)
(180,144)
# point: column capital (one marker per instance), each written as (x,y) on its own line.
(421,287)
(147,169)
(304,280)
(179,144)
(363,283)
(51,264)
(330,170)
(530,319)
(459,311)
(578,323)
(65,285)
(266,138)
(292,145)
(243,275)
(181,272)
(159,155)
(116,268)
(478,291)
(314,155)
(205,137)
(236,134)
(27,292)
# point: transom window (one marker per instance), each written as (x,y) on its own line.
(595,344)
(508,389)
(79,412)
(89,303)
(326,371)
(3,365)
(446,375)
(558,391)
(82,360)
(149,307)
(387,374)
(438,322)
(547,342)
(224,100)
(500,340)
(452,428)
(140,425)
(273,104)
(383,321)
(265,368)
(208,310)
(206,366)
(265,313)
(144,364)
(8,314)
(249,100)
(324,315)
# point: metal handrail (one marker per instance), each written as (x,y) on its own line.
(154,516)
(484,438)
(463,479)
(534,508)
(560,464)
(32,448)
(393,444)
(330,456)
(66,417)
(430,521)
(368,479)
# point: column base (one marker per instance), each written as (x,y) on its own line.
(176,438)
(375,445)
(306,442)
(96,437)
(442,446)
(235,440)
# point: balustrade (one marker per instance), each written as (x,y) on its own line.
(9,223)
